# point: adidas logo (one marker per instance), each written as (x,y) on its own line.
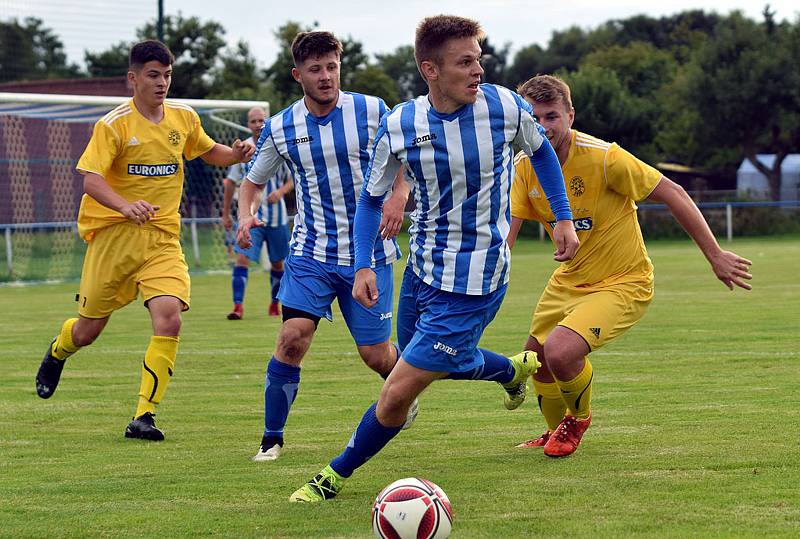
(534,193)
(133,142)
(595,332)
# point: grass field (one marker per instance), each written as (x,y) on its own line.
(695,429)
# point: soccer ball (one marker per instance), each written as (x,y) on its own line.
(412,508)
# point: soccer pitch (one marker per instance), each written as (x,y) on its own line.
(694,432)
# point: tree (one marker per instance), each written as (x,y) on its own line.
(401,67)
(494,61)
(238,71)
(196,47)
(745,85)
(108,63)
(640,66)
(373,80)
(30,51)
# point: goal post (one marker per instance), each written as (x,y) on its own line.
(41,139)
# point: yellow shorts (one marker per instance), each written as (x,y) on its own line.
(599,314)
(125,259)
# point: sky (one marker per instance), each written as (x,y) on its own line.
(97,24)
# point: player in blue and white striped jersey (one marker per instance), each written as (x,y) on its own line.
(455,145)
(325,139)
(274,232)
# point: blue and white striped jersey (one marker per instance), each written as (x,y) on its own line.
(329,157)
(461,167)
(272,215)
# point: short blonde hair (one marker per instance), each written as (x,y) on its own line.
(434,32)
(546,89)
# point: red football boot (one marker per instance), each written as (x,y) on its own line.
(274,309)
(566,438)
(537,442)
(237,313)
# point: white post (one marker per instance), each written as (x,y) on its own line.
(9,251)
(541,232)
(729,221)
(195,242)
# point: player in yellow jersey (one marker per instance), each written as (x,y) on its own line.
(607,286)
(133,182)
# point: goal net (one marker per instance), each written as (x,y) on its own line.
(42,136)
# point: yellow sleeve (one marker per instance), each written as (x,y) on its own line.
(521,207)
(103,148)
(198,142)
(629,176)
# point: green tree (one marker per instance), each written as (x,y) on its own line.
(196,46)
(109,63)
(401,67)
(640,66)
(745,86)
(237,71)
(30,51)
(494,61)
(373,80)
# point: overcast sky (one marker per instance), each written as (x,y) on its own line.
(96,24)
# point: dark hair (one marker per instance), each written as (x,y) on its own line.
(546,89)
(433,32)
(313,45)
(147,51)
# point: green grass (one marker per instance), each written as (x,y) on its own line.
(694,434)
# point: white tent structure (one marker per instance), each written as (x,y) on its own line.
(751,183)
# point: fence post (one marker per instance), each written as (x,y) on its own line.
(729,221)
(195,242)
(541,232)
(9,252)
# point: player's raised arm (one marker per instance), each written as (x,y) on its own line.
(729,267)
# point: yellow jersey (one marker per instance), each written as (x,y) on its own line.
(603,182)
(141,160)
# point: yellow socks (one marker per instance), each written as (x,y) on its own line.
(577,393)
(63,347)
(551,404)
(156,372)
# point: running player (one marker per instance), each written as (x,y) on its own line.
(274,233)
(133,183)
(325,138)
(456,145)
(603,291)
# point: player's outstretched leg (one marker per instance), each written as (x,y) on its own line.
(280,390)
(512,373)
(369,437)
(60,348)
(157,368)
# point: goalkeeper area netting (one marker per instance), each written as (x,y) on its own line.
(42,136)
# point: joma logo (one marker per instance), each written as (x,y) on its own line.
(444,348)
(424,138)
(303,140)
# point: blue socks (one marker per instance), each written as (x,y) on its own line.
(495,368)
(239,283)
(280,390)
(369,438)
(275,283)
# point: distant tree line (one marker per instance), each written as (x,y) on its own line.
(694,88)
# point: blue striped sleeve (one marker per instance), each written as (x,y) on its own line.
(548,170)
(365,224)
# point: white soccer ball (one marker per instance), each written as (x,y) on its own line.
(412,508)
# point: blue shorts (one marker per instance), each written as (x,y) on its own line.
(276,238)
(439,331)
(310,285)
